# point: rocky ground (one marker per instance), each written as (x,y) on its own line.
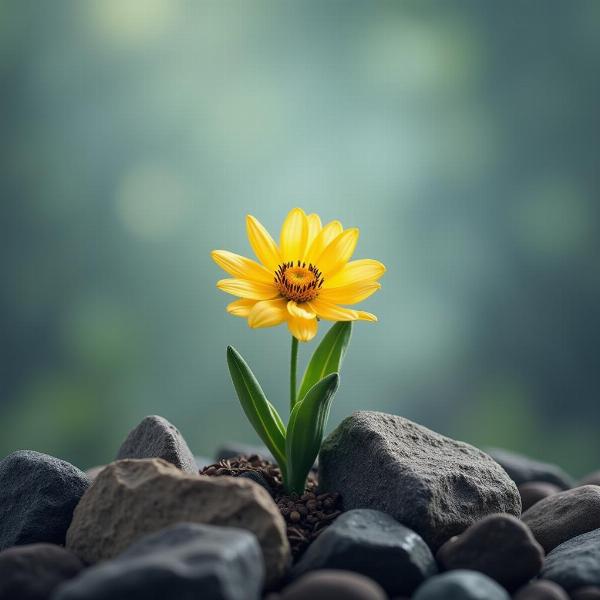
(394,510)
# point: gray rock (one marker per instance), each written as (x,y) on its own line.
(542,589)
(591,479)
(575,563)
(562,516)
(433,484)
(331,584)
(522,469)
(155,437)
(461,585)
(34,571)
(373,544)
(534,491)
(234,449)
(132,498)
(186,561)
(257,477)
(500,546)
(37,496)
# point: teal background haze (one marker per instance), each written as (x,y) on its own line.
(460,137)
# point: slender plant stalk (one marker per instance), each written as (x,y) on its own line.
(293,368)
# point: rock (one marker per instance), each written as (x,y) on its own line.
(542,589)
(186,560)
(591,479)
(131,498)
(257,477)
(461,585)
(37,496)
(373,544)
(534,491)
(331,584)
(522,469)
(234,449)
(430,483)
(34,571)
(155,437)
(589,592)
(575,563)
(565,515)
(500,546)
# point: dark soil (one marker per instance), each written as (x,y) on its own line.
(306,516)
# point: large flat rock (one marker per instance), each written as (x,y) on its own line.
(432,484)
(131,498)
(186,560)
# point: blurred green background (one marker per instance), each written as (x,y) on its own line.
(461,137)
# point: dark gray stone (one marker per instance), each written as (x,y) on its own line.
(155,437)
(461,585)
(562,516)
(257,477)
(187,561)
(522,469)
(373,544)
(575,563)
(331,584)
(34,571)
(37,496)
(542,589)
(433,484)
(500,546)
(534,491)
(234,449)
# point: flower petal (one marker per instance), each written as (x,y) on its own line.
(338,253)
(323,239)
(365,269)
(248,289)
(332,312)
(240,266)
(268,313)
(262,243)
(303,330)
(314,228)
(302,311)
(294,234)
(241,307)
(350,294)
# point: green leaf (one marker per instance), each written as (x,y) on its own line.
(328,356)
(260,412)
(305,431)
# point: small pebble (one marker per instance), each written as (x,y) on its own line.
(542,589)
(589,592)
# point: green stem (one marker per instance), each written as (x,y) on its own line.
(293,368)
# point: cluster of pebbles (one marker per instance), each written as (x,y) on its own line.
(394,511)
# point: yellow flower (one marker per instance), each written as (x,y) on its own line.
(306,278)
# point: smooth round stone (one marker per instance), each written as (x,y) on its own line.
(523,469)
(186,561)
(374,544)
(541,590)
(565,515)
(534,491)
(500,546)
(461,585)
(333,584)
(34,571)
(589,592)
(575,563)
